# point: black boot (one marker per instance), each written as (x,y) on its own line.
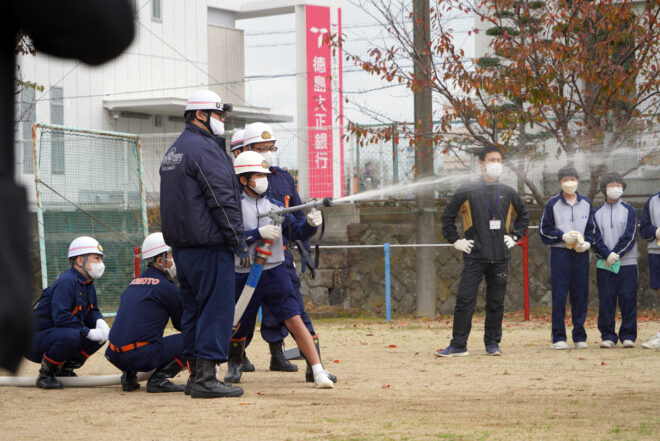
(158,382)
(75,362)
(235,361)
(309,375)
(278,361)
(192,369)
(129,381)
(46,379)
(206,383)
(247,365)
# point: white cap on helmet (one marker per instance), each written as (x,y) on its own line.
(85,245)
(207,100)
(237,140)
(258,132)
(154,245)
(250,161)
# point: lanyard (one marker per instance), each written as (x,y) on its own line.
(497,199)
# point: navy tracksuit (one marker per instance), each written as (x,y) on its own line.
(615,230)
(647,228)
(569,270)
(145,308)
(63,316)
(201,220)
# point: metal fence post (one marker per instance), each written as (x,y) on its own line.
(388,291)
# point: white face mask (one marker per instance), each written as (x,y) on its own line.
(269,157)
(569,187)
(493,169)
(614,193)
(217,127)
(260,185)
(96,270)
(172,270)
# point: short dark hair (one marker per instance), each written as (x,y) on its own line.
(567,171)
(189,115)
(610,177)
(489,149)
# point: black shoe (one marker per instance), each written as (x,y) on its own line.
(278,361)
(158,382)
(192,369)
(129,381)
(309,374)
(73,363)
(247,365)
(206,383)
(235,361)
(46,378)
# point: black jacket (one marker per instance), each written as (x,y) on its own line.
(472,202)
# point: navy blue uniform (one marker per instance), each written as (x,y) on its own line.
(569,270)
(145,308)
(647,228)
(615,231)
(65,313)
(201,220)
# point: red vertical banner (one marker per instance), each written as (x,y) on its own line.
(321,156)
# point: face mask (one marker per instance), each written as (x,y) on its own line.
(614,193)
(269,157)
(172,270)
(96,270)
(217,127)
(260,185)
(569,187)
(493,170)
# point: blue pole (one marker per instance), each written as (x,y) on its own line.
(388,290)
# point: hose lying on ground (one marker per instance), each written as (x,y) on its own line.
(90,381)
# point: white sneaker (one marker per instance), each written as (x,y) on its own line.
(654,343)
(628,344)
(560,345)
(607,344)
(581,345)
(322,381)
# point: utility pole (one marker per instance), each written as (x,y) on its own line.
(422,60)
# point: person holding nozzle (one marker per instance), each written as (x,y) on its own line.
(274,287)
(136,338)
(69,327)
(494,218)
(201,219)
(259,137)
(649,230)
(615,244)
(567,226)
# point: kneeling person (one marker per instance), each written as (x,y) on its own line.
(136,338)
(68,324)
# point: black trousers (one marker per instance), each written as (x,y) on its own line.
(466,299)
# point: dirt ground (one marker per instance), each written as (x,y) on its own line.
(391,387)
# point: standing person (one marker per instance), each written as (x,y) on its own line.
(649,229)
(281,188)
(567,227)
(201,219)
(274,287)
(615,240)
(488,208)
(136,338)
(68,324)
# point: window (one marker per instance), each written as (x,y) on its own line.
(158,120)
(28,117)
(57,139)
(155,9)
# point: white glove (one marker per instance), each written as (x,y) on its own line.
(101,324)
(314,218)
(612,258)
(464,245)
(582,247)
(570,237)
(509,242)
(657,233)
(97,335)
(269,232)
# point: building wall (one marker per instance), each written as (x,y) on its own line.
(227,63)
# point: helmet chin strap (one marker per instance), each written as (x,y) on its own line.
(84,262)
(206,123)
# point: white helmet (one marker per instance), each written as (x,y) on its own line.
(154,245)
(237,140)
(250,161)
(258,132)
(85,245)
(207,100)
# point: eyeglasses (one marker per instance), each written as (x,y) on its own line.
(264,149)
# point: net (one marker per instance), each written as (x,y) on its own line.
(89,183)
